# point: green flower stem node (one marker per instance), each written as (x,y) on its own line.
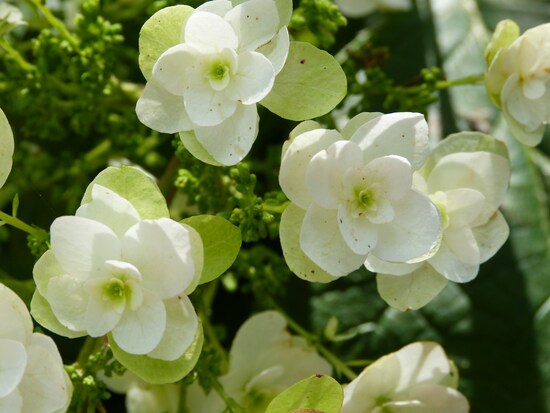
(316,394)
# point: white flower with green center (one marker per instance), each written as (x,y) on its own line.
(109,271)
(360,8)
(264,360)
(518,79)
(209,84)
(6,148)
(10,17)
(32,377)
(417,378)
(358,195)
(468,188)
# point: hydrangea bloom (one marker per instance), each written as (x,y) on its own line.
(209,84)
(6,148)
(32,377)
(109,271)
(468,188)
(417,378)
(360,8)
(358,195)
(264,360)
(142,397)
(518,79)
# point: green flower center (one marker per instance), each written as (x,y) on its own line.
(114,289)
(365,201)
(218,71)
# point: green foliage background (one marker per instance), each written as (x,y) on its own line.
(70,99)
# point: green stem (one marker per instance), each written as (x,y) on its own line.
(275,208)
(56,23)
(205,312)
(26,66)
(231,404)
(338,364)
(17,223)
(466,80)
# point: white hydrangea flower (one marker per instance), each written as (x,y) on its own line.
(142,397)
(264,360)
(417,378)
(468,188)
(6,148)
(109,271)
(32,377)
(209,84)
(358,193)
(518,81)
(360,8)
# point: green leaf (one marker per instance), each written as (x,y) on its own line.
(163,30)
(6,148)
(316,394)
(135,186)
(155,371)
(464,142)
(221,241)
(310,84)
(297,261)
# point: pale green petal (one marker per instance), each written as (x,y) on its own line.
(413,290)
(6,148)
(491,236)
(11,403)
(374,264)
(447,263)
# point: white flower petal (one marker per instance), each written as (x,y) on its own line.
(181,328)
(253,80)
(162,111)
(13,361)
(402,134)
(357,121)
(436,399)
(421,363)
(415,232)
(393,174)
(82,245)
(295,162)
(11,403)
(463,206)
(530,113)
(447,263)
(219,7)
(376,265)
(230,141)
(102,312)
(110,209)
(483,171)
(355,8)
(323,243)
(68,300)
(44,387)
(161,250)
(171,67)
(534,89)
(276,50)
(462,243)
(255,22)
(15,321)
(491,236)
(209,33)
(140,331)
(326,170)
(360,234)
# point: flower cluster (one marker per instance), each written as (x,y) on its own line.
(357,192)
(518,79)
(263,361)
(208,84)
(111,271)
(417,378)
(32,377)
